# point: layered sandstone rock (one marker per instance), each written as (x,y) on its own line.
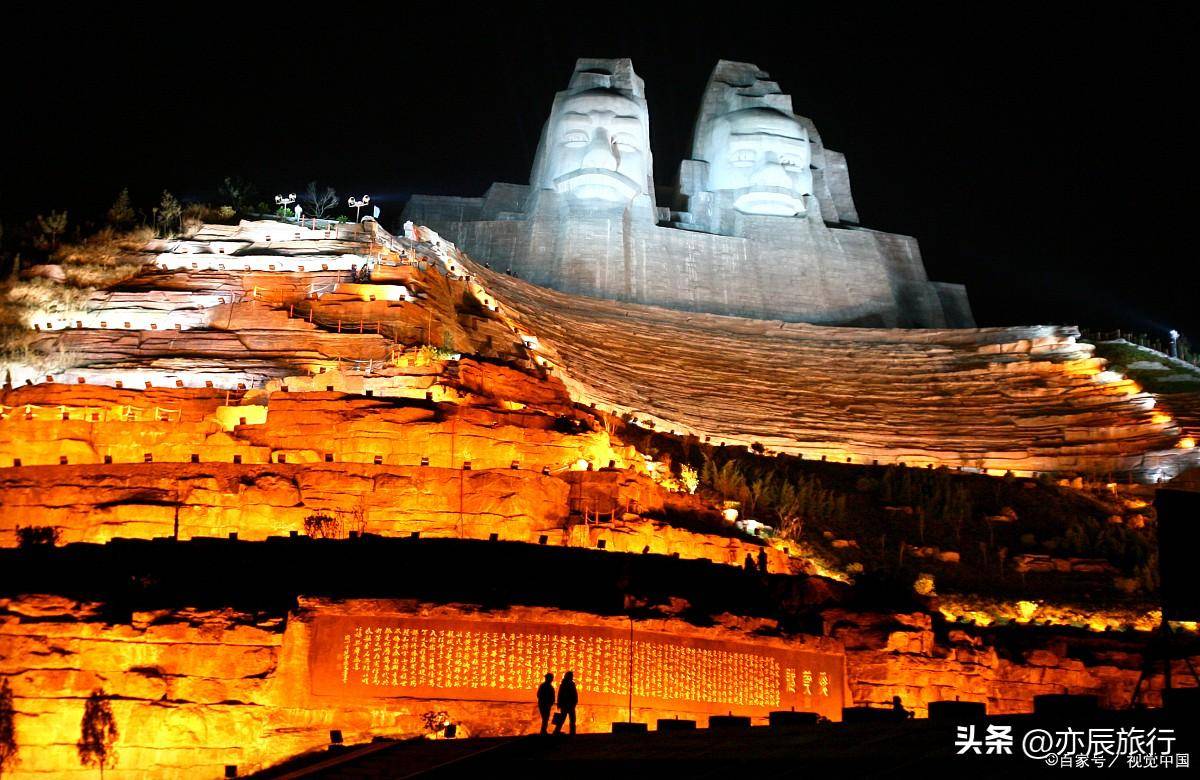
(98,503)
(88,424)
(898,655)
(195,691)
(1031,399)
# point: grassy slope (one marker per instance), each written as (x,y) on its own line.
(884,506)
(1120,355)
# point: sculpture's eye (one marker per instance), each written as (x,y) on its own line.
(742,157)
(625,146)
(575,138)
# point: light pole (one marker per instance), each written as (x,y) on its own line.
(1174,334)
(358,204)
(284,202)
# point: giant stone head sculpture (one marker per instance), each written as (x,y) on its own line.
(750,153)
(595,146)
(761,157)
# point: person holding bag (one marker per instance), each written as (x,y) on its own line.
(568,698)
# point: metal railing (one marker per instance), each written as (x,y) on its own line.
(1145,341)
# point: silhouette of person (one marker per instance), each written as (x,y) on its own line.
(748,564)
(545,699)
(898,708)
(762,561)
(568,698)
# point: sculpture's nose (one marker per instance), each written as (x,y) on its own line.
(599,153)
(771,174)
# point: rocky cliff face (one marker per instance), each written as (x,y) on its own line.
(463,448)
(1028,400)
(899,655)
(194,691)
(98,503)
(184,500)
(260,302)
(281,396)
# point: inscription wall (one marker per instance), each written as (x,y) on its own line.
(381,656)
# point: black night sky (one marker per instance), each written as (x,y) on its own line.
(1045,158)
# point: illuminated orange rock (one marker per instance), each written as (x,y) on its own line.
(613,493)
(200,690)
(897,655)
(196,691)
(507,383)
(98,503)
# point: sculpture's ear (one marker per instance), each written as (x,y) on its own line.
(537,171)
(693,177)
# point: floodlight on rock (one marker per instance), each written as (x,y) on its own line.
(284,201)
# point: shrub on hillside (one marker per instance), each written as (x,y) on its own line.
(195,215)
(31,536)
(45,296)
(323,527)
(107,247)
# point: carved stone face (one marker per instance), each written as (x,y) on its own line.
(762,156)
(596,147)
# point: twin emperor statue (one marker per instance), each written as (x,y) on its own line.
(759,224)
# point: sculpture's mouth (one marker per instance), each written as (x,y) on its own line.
(597,184)
(770,201)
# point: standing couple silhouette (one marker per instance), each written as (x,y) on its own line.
(568,697)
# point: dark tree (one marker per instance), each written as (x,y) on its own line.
(37,536)
(323,527)
(238,193)
(121,214)
(97,732)
(170,212)
(51,228)
(318,201)
(8,731)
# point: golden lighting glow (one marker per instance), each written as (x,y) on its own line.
(231,416)
(378,292)
(982,611)
(1186,443)
(379,656)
